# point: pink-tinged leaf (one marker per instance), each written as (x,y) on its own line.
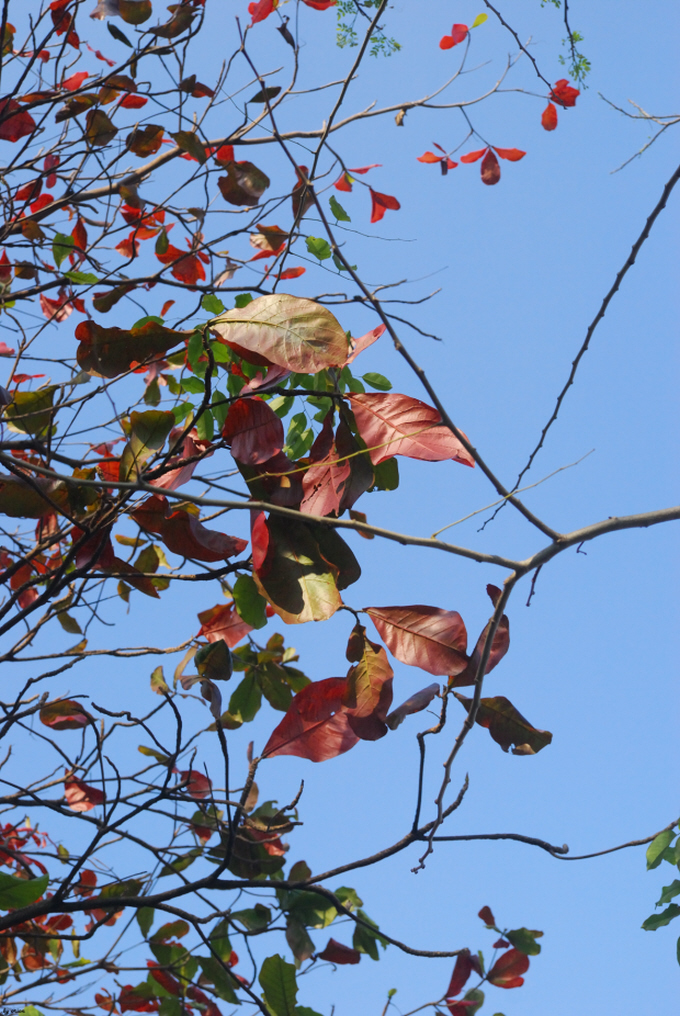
(198,785)
(429,157)
(6,350)
(183,534)
(274,376)
(427,637)
(380,203)
(64,714)
(297,334)
(506,971)
(253,430)
(361,170)
(324,484)
(336,952)
(400,425)
(358,345)
(316,726)
(175,477)
(460,975)
(368,695)
(511,154)
(564,94)
(499,646)
(80,796)
(415,704)
(549,118)
(223,622)
(491,170)
(458,34)
(486,915)
(473,156)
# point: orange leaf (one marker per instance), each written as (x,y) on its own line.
(473,156)
(511,154)
(381,202)
(549,118)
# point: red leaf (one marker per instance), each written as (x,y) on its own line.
(51,163)
(473,156)
(260,11)
(429,157)
(549,118)
(415,704)
(316,726)
(461,973)
(336,952)
(343,183)
(487,916)
(253,430)
(187,267)
(223,622)
(130,1000)
(506,971)
(511,154)
(381,202)
(563,93)
(458,34)
(133,101)
(174,478)
(296,195)
(198,786)
(80,796)
(324,484)
(73,83)
(364,169)
(164,978)
(292,273)
(399,425)
(42,202)
(491,171)
(224,154)
(16,122)
(128,248)
(183,534)
(358,345)
(319,5)
(427,637)
(29,192)
(97,550)
(500,944)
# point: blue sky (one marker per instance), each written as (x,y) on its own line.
(522,267)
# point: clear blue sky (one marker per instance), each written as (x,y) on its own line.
(523,267)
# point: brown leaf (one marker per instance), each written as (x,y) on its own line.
(507,726)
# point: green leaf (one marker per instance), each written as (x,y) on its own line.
(205,426)
(299,941)
(195,350)
(266,93)
(193,385)
(245,703)
(253,918)
(349,897)
(377,381)
(145,918)
(219,940)
(31,412)
(118,35)
(148,433)
(337,210)
(668,892)
(62,245)
(277,979)
(182,411)
(525,940)
(476,996)
(242,300)
(82,278)
(250,605)
(386,475)
(20,892)
(30,1010)
(212,304)
(318,247)
(181,863)
(479,20)
(365,939)
(304,1010)
(659,920)
(214,972)
(657,846)
(339,265)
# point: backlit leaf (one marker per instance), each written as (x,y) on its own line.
(184,534)
(427,637)
(16,893)
(368,695)
(400,425)
(277,979)
(64,714)
(656,848)
(253,431)
(108,352)
(506,971)
(148,434)
(289,331)
(316,726)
